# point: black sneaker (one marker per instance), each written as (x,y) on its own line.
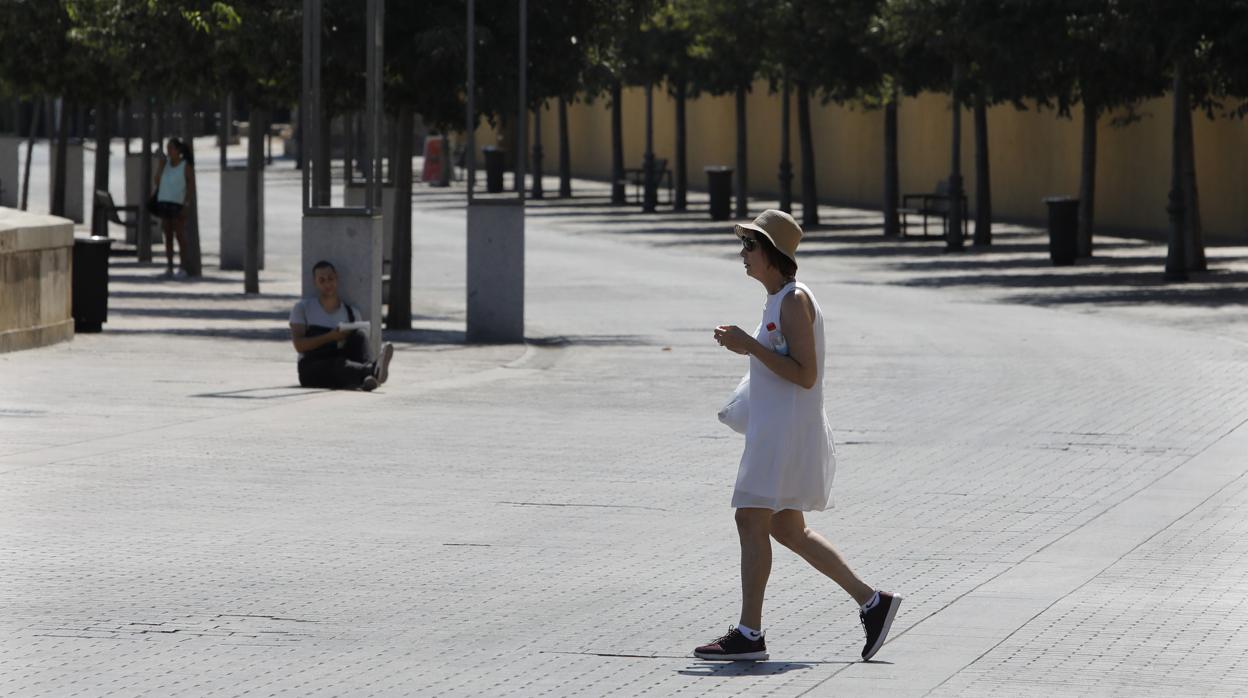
(877,621)
(369,384)
(734,647)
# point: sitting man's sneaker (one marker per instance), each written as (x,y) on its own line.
(734,647)
(381,367)
(876,619)
(369,384)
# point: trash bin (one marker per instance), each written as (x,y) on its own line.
(719,183)
(1063,229)
(90,280)
(494,169)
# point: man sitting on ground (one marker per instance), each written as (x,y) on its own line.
(332,339)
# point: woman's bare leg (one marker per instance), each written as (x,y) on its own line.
(179,227)
(167,227)
(754,527)
(789,529)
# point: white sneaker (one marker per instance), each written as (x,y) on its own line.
(381,367)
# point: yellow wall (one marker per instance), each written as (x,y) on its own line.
(1033,154)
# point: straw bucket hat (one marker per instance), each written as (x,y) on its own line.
(778,227)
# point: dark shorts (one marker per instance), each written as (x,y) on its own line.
(167,209)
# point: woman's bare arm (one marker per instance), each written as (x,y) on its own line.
(800,366)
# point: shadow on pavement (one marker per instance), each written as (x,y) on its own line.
(731,669)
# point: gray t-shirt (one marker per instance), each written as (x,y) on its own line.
(308,312)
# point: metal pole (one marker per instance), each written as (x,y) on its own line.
(305,101)
(372,151)
(470,125)
(522,146)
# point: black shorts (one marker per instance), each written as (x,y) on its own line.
(167,209)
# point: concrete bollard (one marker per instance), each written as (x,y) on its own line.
(353,196)
(137,193)
(73,180)
(496,271)
(234,219)
(10,170)
(352,243)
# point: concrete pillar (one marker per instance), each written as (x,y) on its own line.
(353,196)
(352,243)
(73,181)
(137,192)
(496,271)
(10,169)
(234,218)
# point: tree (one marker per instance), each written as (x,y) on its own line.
(726,38)
(1192,40)
(823,46)
(670,34)
(1102,65)
(258,47)
(991,51)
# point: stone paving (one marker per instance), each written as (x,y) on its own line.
(1047,463)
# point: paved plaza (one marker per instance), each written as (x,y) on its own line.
(1049,464)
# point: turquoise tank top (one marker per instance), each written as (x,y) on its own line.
(173,183)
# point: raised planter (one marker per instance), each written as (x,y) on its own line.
(36,265)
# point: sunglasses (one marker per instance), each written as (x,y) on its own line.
(749,244)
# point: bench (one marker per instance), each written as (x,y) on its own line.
(105,212)
(933,204)
(636,176)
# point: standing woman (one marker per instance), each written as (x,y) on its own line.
(788,463)
(175,187)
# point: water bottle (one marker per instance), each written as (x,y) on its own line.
(778,343)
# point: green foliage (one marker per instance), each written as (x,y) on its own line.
(257,49)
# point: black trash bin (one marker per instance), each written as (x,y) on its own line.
(1063,229)
(719,183)
(90,280)
(494,167)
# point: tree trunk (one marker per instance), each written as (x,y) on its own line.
(682,161)
(37,111)
(786,165)
(350,155)
(143,238)
(650,195)
(537,190)
(743,207)
(1176,262)
(983,181)
(223,130)
(618,195)
(810,201)
(257,120)
(953,233)
(399,316)
(103,140)
(1087,181)
(1194,238)
(321,161)
(565,157)
(448,162)
(192,259)
(62,143)
(892,173)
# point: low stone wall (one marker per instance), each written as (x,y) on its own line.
(36,264)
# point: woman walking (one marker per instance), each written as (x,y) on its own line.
(175,187)
(789,462)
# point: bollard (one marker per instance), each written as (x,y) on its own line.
(494,166)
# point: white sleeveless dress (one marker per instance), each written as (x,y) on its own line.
(789,459)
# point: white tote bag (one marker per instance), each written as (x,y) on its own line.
(736,414)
